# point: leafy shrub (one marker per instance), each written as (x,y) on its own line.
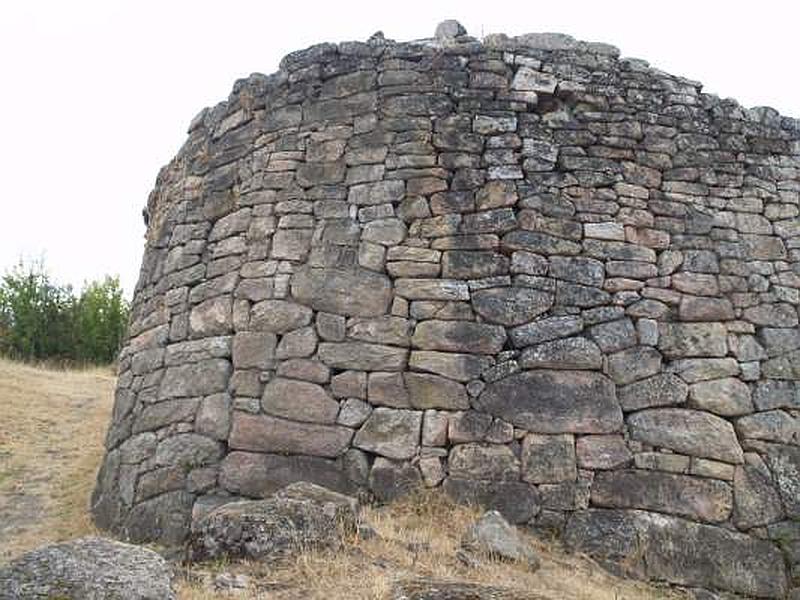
(41,320)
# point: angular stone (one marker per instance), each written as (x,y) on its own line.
(391,433)
(434,428)
(679,340)
(465,264)
(516,501)
(196,379)
(529,80)
(432,289)
(634,364)
(387,232)
(352,292)
(568,353)
(461,367)
(777,394)
(679,551)
(291,244)
(756,500)
(771,426)
(459,336)
(602,452)
(776,341)
(299,343)
(353,412)
(212,317)
(254,350)
(468,426)
(279,316)
(548,458)
(483,461)
(299,401)
(772,315)
(554,402)
(381,192)
(388,389)
(698,284)
(539,243)
(395,331)
(390,480)
(692,370)
(782,367)
(259,475)
(660,390)
(493,537)
(784,462)
(187,450)
(362,356)
(728,397)
(614,335)
(511,306)
(214,417)
(431,391)
(544,330)
(687,431)
(262,433)
(577,269)
(698,308)
(701,499)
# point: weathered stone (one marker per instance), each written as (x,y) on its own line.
(254,350)
(602,452)
(299,401)
(679,551)
(391,433)
(299,343)
(196,379)
(382,192)
(279,316)
(548,458)
(380,330)
(678,340)
(773,425)
(554,402)
(492,536)
(702,499)
(511,306)
(756,500)
(585,271)
(687,431)
(539,243)
(466,264)
(777,394)
(567,353)
(633,364)
(660,390)
(351,292)
(544,330)
(784,463)
(260,475)
(214,417)
(388,389)
(692,370)
(360,355)
(390,480)
(772,315)
(88,568)
(728,397)
(291,244)
(459,336)
(783,367)
(614,335)
(212,317)
(296,518)
(461,367)
(431,391)
(483,461)
(468,426)
(262,433)
(516,501)
(697,308)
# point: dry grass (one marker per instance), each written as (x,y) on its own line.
(418,537)
(52,424)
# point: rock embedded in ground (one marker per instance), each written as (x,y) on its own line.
(89,568)
(296,518)
(493,537)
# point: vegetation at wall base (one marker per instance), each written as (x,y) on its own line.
(43,320)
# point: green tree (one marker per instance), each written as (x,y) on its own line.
(101,320)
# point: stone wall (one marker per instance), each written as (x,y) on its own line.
(550,280)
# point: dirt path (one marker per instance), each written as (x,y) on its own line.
(52,425)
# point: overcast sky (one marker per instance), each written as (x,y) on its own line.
(97,94)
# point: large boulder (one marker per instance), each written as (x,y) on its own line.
(301,515)
(492,536)
(89,568)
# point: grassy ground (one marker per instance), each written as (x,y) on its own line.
(52,425)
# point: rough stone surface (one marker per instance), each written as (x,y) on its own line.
(298,517)
(89,568)
(520,268)
(493,536)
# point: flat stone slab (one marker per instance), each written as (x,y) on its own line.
(354,292)
(678,551)
(554,402)
(89,568)
(262,433)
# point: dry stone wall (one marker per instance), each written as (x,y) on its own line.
(553,281)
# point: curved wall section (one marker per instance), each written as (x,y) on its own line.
(550,280)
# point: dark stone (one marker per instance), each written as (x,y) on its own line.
(511,306)
(516,501)
(351,292)
(554,402)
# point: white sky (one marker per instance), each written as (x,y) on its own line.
(96,94)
